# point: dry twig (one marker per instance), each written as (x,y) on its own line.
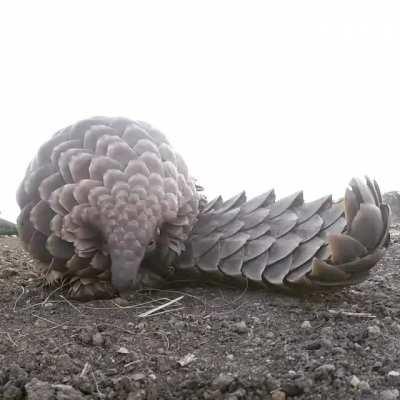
(72,305)
(160,307)
(352,314)
(9,338)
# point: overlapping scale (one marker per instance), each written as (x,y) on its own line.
(290,244)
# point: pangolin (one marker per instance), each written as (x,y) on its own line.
(108,205)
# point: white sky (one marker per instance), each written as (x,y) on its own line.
(254,94)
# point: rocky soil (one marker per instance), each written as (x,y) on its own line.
(211,343)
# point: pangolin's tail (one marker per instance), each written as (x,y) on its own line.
(288,243)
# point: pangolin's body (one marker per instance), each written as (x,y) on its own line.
(107,203)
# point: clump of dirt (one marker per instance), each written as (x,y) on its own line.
(212,343)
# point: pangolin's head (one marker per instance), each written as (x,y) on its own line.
(99,193)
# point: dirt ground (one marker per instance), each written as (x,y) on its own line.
(213,343)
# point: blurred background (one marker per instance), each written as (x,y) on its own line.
(254,94)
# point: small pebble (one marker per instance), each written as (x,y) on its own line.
(306,325)
(222,381)
(123,350)
(389,394)
(140,325)
(340,372)
(355,381)
(326,331)
(138,376)
(83,383)
(121,301)
(339,350)
(291,389)
(394,376)
(40,323)
(374,331)
(278,395)
(39,390)
(98,339)
(303,384)
(313,345)
(67,392)
(326,343)
(396,326)
(137,395)
(324,370)
(272,383)
(12,392)
(240,327)
(364,386)
(237,394)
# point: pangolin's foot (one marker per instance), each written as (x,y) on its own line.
(90,289)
